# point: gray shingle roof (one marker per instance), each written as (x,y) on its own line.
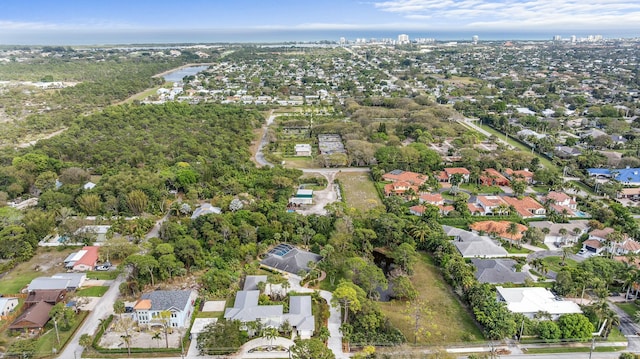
(472,245)
(168,299)
(246,308)
(300,315)
(497,271)
(292,262)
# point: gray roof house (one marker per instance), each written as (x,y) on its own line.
(246,309)
(496,271)
(204,209)
(251,281)
(287,258)
(75,279)
(179,302)
(47,283)
(473,245)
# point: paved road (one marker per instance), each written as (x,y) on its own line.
(263,142)
(103,309)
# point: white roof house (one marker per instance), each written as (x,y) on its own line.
(531,300)
(205,208)
(7,305)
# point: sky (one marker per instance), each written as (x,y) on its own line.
(31,21)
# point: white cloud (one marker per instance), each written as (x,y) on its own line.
(495,14)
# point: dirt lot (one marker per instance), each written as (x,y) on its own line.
(140,337)
(46,262)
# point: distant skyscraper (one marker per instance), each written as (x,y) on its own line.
(557,38)
(403,39)
(573,38)
(475,39)
(343,41)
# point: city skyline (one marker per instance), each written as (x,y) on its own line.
(244,20)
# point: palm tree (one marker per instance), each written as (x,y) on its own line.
(127,341)
(565,252)
(512,230)
(157,336)
(576,232)
(563,233)
(270,334)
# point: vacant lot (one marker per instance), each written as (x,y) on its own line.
(555,263)
(450,322)
(358,190)
(92,292)
(46,262)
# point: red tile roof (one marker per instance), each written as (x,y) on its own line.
(432,198)
(406,176)
(525,207)
(456,170)
(500,228)
(90,258)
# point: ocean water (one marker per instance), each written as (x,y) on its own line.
(236,36)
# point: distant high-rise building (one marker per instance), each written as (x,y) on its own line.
(557,38)
(403,39)
(475,38)
(343,41)
(573,38)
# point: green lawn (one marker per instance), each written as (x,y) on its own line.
(103,275)
(629,307)
(42,264)
(516,250)
(568,349)
(555,263)
(209,315)
(48,340)
(481,189)
(92,292)
(450,321)
(359,190)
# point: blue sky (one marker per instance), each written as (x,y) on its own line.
(19,18)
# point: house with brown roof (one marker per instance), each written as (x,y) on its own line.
(435,199)
(526,207)
(51,296)
(500,229)
(561,203)
(447,174)
(33,318)
(524,175)
(593,246)
(399,188)
(491,177)
(413,178)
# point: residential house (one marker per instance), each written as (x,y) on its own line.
(530,301)
(51,296)
(180,304)
(413,178)
(302,197)
(497,271)
(500,229)
(448,173)
(75,279)
(601,234)
(632,193)
(628,246)
(7,305)
(88,261)
(593,246)
(97,233)
(524,175)
(303,149)
(287,258)
(300,316)
(627,176)
(567,152)
(204,209)
(563,204)
(526,207)
(574,229)
(48,283)
(399,188)
(491,205)
(33,318)
(435,199)
(491,177)
(472,245)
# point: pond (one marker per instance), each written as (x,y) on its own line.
(178,75)
(386,264)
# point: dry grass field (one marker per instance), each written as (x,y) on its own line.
(359,191)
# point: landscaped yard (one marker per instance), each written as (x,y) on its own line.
(92,292)
(48,341)
(46,262)
(358,190)
(555,263)
(629,307)
(451,322)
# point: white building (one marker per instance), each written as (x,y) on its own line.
(7,305)
(530,301)
(303,149)
(303,196)
(180,304)
(403,39)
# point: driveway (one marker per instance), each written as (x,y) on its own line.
(260,160)
(103,308)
